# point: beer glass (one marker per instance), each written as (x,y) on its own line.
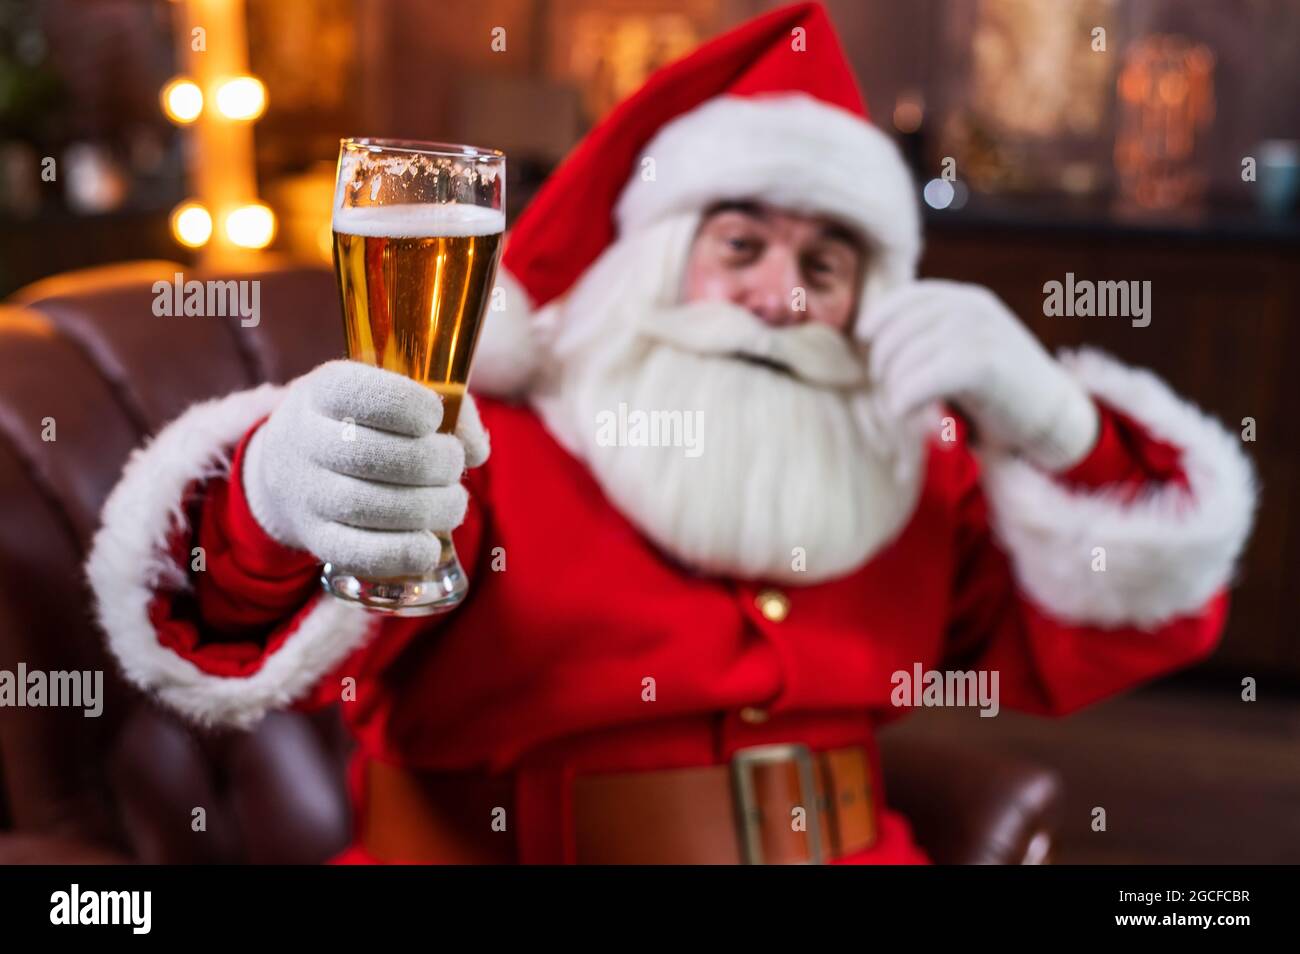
(417,237)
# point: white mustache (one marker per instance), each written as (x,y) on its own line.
(813,352)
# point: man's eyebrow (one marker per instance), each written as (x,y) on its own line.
(834,231)
(743,206)
(831,231)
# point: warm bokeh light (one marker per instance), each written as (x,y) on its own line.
(243,97)
(191,224)
(182,100)
(938,193)
(909,111)
(251,226)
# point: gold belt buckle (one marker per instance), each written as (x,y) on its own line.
(748,815)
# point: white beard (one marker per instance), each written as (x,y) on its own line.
(797,477)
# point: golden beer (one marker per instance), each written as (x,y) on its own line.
(414,303)
(417,236)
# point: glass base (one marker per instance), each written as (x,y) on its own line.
(441,590)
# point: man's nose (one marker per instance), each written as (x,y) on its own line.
(769,288)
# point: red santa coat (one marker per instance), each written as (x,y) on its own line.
(541,671)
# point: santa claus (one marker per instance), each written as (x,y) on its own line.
(680,650)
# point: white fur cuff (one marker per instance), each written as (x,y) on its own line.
(129,562)
(1165,553)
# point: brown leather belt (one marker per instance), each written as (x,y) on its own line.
(771,804)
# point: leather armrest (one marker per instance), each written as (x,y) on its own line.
(968,806)
(26,848)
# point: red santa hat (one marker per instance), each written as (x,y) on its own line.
(770,112)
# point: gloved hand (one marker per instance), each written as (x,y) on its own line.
(350,468)
(934,340)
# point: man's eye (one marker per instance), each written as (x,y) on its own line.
(821,272)
(741,245)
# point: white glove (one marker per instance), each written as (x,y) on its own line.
(350,468)
(934,340)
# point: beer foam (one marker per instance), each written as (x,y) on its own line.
(448,220)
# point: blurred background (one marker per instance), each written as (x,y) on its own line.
(1140,140)
(1070,114)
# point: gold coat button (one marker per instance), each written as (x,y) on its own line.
(773,604)
(753,715)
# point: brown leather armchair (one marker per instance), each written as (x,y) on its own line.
(86,351)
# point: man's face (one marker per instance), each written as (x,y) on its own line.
(775,406)
(756,256)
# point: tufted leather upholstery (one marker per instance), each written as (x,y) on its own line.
(87,351)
